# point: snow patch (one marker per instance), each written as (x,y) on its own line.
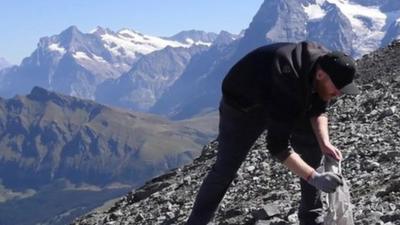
(93,30)
(99,59)
(191,42)
(129,43)
(353,11)
(203,43)
(81,56)
(55,47)
(368,24)
(314,11)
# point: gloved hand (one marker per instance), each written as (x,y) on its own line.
(326,182)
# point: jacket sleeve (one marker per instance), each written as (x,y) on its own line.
(278,140)
(318,106)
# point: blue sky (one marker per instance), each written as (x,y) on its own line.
(23,22)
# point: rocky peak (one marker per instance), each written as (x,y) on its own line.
(101,31)
(225,38)
(194,36)
(275,21)
(335,27)
(71,34)
(44,96)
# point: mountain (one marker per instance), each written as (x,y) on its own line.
(264,192)
(356,27)
(46,136)
(74,63)
(4,63)
(55,145)
(4,68)
(190,94)
(153,74)
(194,36)
(146,81)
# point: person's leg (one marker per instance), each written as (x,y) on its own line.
(237,133)
(304,143)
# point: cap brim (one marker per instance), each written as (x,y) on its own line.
(350,89)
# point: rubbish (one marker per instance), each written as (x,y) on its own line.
(339,207)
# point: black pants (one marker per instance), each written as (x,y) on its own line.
(237,133)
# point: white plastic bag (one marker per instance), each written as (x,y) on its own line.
(339,207)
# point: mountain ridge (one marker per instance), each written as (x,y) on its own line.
(54,133)
(90,58)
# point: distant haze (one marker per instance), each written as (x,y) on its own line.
(4,63)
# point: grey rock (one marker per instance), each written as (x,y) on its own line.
(271,209)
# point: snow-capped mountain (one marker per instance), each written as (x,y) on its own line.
(356,27)
(128,45)
(149,77)
(74,62)
(154,73)
(195,36)
(353,26)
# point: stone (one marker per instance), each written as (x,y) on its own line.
(271,209)
(250,168)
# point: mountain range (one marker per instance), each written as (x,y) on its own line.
(45,136)
(139,72)
(51,143)
(75,63)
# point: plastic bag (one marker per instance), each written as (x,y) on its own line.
(339,207)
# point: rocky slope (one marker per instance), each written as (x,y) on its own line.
(46,136)
(61,156)
(366,129)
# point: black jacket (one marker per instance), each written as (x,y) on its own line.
(279,78)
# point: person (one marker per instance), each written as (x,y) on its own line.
(283,88)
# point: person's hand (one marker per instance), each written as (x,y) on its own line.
(326,182)
(332,151)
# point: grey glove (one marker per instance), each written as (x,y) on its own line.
(326,182)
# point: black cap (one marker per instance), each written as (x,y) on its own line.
(341,68)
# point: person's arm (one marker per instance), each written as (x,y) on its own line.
(298,166)
(327,181)
(278,139)
(320,127)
